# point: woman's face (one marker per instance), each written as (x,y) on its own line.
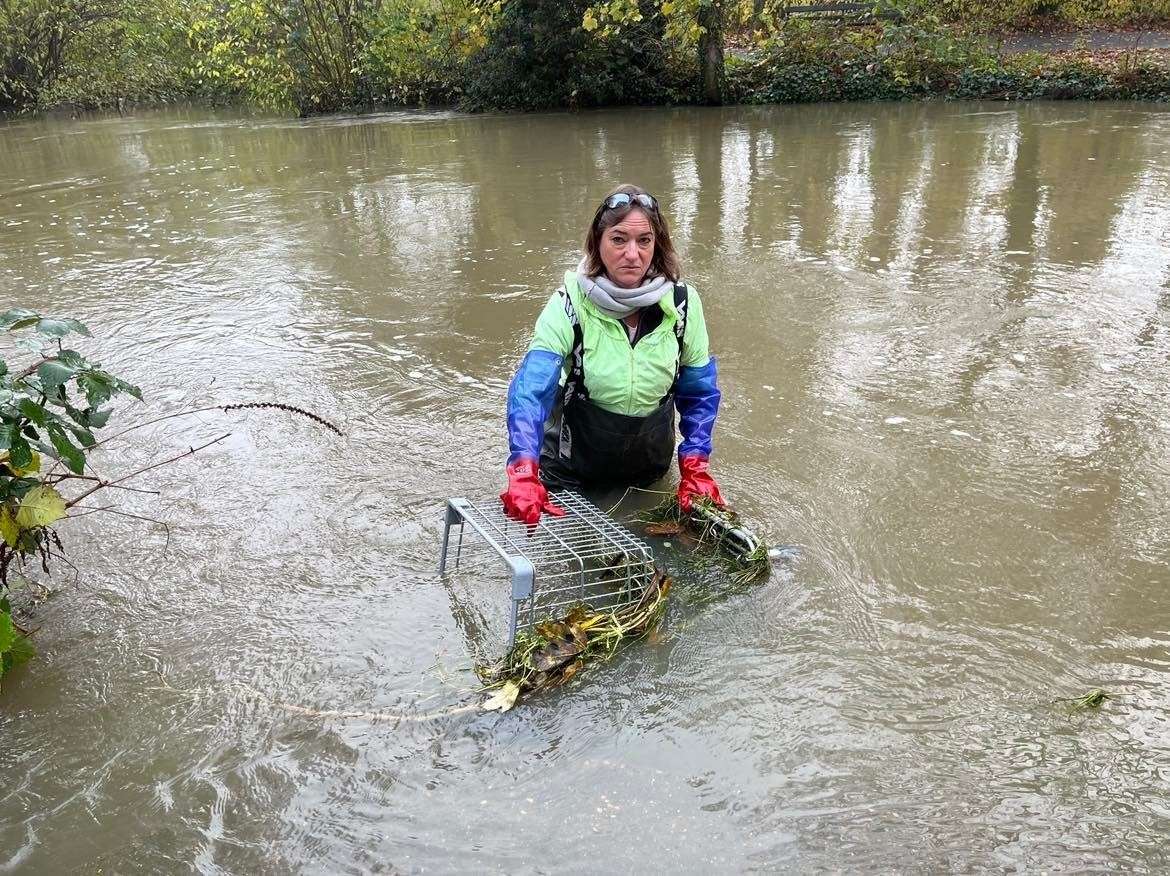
(627,249)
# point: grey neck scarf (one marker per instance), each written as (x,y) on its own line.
(616,301)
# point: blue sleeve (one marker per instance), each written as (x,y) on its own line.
(697,399)
(531,396)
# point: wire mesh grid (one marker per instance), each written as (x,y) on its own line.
(583,557)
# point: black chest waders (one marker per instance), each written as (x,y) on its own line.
(586,445)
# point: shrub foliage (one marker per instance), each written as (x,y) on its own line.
(314,56)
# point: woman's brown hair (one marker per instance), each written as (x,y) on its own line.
(665,262)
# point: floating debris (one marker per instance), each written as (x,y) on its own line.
(720,529)
(557,650)
(1093,699)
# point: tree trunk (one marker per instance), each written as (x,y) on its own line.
(711,50)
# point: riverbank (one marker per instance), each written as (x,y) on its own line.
(799,60)
(822,62)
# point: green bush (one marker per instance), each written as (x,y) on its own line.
(141,56)
(417,53)
(50,409)
(1141,80)
(538,56)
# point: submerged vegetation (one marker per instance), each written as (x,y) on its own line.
(556,650)
(1093,699)
(323,55)
(718,532)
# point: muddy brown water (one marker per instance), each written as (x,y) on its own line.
(943,346)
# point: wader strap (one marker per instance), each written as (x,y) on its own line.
(680,330)
(575,382)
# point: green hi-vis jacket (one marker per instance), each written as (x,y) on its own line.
(621,378)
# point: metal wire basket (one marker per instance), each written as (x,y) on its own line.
(583,557)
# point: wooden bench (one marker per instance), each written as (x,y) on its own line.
(864,11)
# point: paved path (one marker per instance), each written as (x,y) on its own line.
(1094,40)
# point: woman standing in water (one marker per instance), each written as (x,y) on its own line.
(616,350)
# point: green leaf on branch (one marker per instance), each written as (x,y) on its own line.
(20,471)
(32,411)
(21,652)
(9,529)
(41,506)
(53,374)
(128,388)
(17,487)
(59,328)
(67,452)
(98,419)
(7,632)
(83,435)
(73,359)
(17,318)
(97,386)
(20,455)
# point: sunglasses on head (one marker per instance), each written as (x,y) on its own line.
(621,199)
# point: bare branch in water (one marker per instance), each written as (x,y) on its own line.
(103,484)
(77,477)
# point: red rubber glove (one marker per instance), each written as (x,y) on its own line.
(696,482)
(526,496)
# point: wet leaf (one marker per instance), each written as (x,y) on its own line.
(569,642)
(572,669)
(579,614)
(41,506)
(504,698)
(551,630)
(543,681)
